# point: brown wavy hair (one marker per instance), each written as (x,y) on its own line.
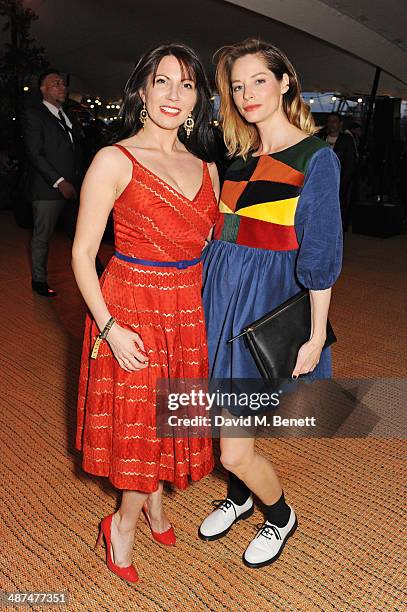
(240,136)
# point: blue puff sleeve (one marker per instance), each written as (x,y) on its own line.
(318,223)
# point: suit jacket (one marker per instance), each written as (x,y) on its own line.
(346,151)
(50,153)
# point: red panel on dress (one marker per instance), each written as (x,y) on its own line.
(217,232)
(262,235)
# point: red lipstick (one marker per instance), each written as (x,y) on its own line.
(170,111)
(251,107)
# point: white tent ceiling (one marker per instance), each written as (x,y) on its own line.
(335,46)
(373,30)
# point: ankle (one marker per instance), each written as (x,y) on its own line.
(154,509)
(122,524)
(238,491)
(278,513)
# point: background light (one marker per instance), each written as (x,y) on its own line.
(333,98)
(311,100)
(26,88)
(92,106)
(360,100)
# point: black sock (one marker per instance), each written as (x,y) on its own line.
(278,513)
(238,492)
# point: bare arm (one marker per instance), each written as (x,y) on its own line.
(320,301)
(310,352)
(99,192)
(97,198)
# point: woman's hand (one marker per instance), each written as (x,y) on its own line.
(309,354)
(128,348)
(308,357)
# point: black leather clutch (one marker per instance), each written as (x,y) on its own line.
(275,339)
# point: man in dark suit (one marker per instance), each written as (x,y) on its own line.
(344,146)
(52,142)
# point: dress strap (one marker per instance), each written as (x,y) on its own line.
(206,175)
(125,151)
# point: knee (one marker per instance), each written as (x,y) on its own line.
(234,461)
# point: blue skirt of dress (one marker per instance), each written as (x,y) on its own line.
(241,284)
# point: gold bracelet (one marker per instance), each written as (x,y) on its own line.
(101,337)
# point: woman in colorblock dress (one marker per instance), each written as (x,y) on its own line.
(279,231)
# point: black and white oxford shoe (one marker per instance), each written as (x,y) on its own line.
(227,513)
(269,543)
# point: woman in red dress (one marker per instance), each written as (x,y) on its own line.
(147,309)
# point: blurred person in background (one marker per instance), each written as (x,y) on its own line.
(343,145)
(53,147)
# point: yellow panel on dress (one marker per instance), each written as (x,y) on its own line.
(281,212)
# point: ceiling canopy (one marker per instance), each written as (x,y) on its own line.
(335,45)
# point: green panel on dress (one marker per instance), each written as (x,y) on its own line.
(299,155)
(230,228)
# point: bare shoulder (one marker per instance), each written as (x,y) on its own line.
(108,155)
(213,171)
(110,162)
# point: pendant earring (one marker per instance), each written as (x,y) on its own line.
(189,125)
(143,114)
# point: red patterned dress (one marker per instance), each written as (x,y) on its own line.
(116,409)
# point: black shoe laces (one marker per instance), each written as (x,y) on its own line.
(268,531)
(222,504)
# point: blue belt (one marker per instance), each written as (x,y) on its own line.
(185,263)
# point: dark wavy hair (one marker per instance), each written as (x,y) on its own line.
(202,141)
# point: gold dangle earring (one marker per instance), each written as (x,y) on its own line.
(143,114)
(189,125)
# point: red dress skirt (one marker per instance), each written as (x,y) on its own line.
(116,427)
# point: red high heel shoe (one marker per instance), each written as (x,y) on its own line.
(166,537)
(128,573)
